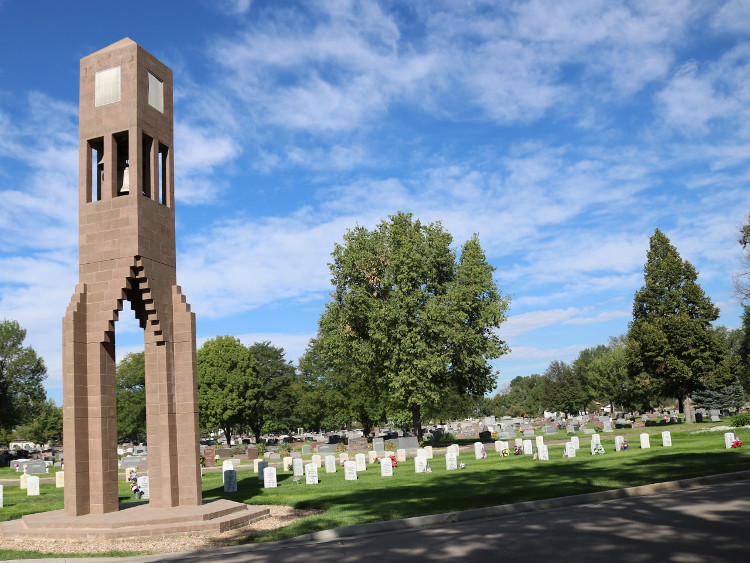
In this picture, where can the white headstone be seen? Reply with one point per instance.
(386, 467)
(570, 449)
(428, 451)
(330, 464)
(32, 486)
(543, 453)
(607, 427)
(596, 439)
(317, 460)
(645, 443)
(226, 465)
(420, 464)
(350, 470)
(451, 461)
(286, 463)
(1, 496)
(401, 455)
(361, 462)
(262, 466)
(311, 474)
(479, 452)
(372, 455)
(298, 468)
(504, 446)
(519, 442)
(618, 442)
(729, 438)
(666, 438)
(576, 442)
(539, 441)
(143, 486)
(498, 446)
(255, 465)
(23, 481)
(269, 478)
(528, 448)
(343, 457)
(60, 479)
(230, 481)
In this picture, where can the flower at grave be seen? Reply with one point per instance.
(428, 469)
(461, 465)
(483, 453)
(134, 488)
(394, 461)
(598, 450)
(625, 445)
(518, 450)
(737, 443)
(504, 452)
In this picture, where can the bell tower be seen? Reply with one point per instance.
(127, 253)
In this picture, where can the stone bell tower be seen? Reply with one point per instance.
(127, 253)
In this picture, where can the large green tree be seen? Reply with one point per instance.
(228, 383)
(743, 351)
(131, 398)
(562, 390)
(47, 426)
(672, 347)
(407, 322)
(272, 403)
(22, 372)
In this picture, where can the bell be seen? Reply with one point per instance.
(124, 187)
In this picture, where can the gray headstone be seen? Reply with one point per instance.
(230, 481)
(378, 444)
(306, 449)
(325, 448)
(409, 443)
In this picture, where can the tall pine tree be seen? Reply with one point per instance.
(672, 348)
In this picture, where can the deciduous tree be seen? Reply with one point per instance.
(22, 372)
(131, 398)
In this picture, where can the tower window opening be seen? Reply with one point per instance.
(95, 176)
(147, 143)
(163, 174)
(123, 164)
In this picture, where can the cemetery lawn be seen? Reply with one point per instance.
(482, 483)
(485, 482)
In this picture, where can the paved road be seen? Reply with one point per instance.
(706, 523)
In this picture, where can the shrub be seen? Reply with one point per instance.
(261, 448)
(341, 447)
(741, 419)
(285, 448)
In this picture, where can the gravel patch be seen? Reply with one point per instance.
(280, 516)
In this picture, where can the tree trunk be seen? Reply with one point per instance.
(228, 436)
(417, 421)
(687, 407)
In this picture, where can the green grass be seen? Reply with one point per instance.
(486, 482)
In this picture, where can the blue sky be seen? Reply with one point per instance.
(563, 133)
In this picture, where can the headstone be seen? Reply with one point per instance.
(498, 446)
(400, 455)
(350, 471)
(519, 442)
(226, 465)
(539, 441)
(454, 448)
(543, 453)
(666, 438)
(306, 449)
(451, 461)
(570, 449)
(317, 460)
(529, 433)
(60, 479)
(361, 462)
(262, 466)
(330, 462)
(343, 457)
(528, 449)
(298, 469)
(420, 464)
(295, 455)
(252, 453)
(1, 496)
(607, 427)
(596, 439)
(409, 443)
(550, 429)
(357, 445)
(714, 415)
(269, 478)
(255, 465)
(428, 452)
(698, 417)
(479, 451)
(32, 486)
(589, 431)
(645, 443)
(230, 481)
(34, 467)
(209, 458)
(576, 442)
(143, 486)
(386, 467)
(311, 474)
(729, 439)
(325, 448)
(618, 442)
(378, 444)
(23, 481)
(372, 455)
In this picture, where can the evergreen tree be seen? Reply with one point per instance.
(672, 348)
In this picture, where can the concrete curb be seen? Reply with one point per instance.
(513, 509)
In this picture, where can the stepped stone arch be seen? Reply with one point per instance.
(127, 253)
